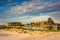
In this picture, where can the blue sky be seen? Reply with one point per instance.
(26, 11)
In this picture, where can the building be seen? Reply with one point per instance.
(11, 24)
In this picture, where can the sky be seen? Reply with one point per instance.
(27, 11)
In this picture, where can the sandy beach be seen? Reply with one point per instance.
(5, 35)
(48, 36)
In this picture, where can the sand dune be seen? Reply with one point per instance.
(47, 36)
(4, 35)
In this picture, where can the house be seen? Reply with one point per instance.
(12, 24)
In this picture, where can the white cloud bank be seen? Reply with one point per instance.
(33, 6)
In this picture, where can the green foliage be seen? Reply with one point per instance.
(3, 26)
(25, 31)
(18, 27)
(58, 28)
(50, 21)
(50, 28)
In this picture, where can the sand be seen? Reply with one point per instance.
(48, 36)
(5, 35)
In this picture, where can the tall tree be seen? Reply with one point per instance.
(50, 21)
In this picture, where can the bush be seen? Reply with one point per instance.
(3, 26)
(25, 31)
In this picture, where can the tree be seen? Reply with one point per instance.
(3, 26)
(58, 28)
(50, 21)
(32, 24)
(50, 28)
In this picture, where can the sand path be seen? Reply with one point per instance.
(4, 35)
(14, 36)
(48, 36)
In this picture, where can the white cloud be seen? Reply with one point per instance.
(40, 18)
(29, 19)
(2, 22)
(55, 16)
(54, 13)
(32, 6)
